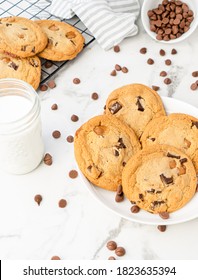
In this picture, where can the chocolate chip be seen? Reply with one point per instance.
(111, 245)
(150, 61)
(112, 258)
(195, 124)
(143, 50)
(73, 174)
(43, 87)
(194, 86)
(48, 64)
(167, 81)
(116, 48)
(120, 251)
(121, 144)
(119, 190)
(151, 191)
(94, 96)
(166, 180)
(55, 258)
(116, 153)
(76, 81)
(38, 198)
(183, 160)
(54, 107)
(125, 69)
(74, 118)
(124, 163)
(115, 107)
(164, 215)
(62, 203)
(33, 62)
(56, 134)
(48, 159)
(173, 156)
(138, 103)
(13, 66)
(162, 52)
(119, 198)
(168, 62)
(113, 73)
(156, 88)
(195, 74)
(70, 139)
(163, 73)
(161, 228)
(118, 67)
(135, 209)
(141, 196)
(51, 84)
(33, 50)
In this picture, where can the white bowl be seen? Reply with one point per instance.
(152, 4)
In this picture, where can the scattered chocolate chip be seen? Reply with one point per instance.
(119, 198)
(73, 174)
(56, 134)
(168, 62)
(62, 203)
(174, 51)
(94, 96)
(167, 81)
(162, 52)
(116, 153)
(13, 66)
(195, 124)
(38, 198)
(118, 67)
(173, 156)
(156, 88)
(111, 245)
(151, 191)
(115, 107)
(33, 62)
(76, 81)
(150, 61)
(55, 258)
(135, 209)
(194, 86)
(54, 107)
(124, 163)
(48, 159)
(161, 228)
(183, 160)
(48, 64)
(43, 87)
(121, 144)
(51, 84)
(33, 50)
(195, 74)
(138, 103)
(125, 69)
(143, 50)
(70, 139)
(164, 215)
(74, 118)
(112, 258)
(120, 251)
(113, 73)
(166, 180)
(163, 73)
(116, 48)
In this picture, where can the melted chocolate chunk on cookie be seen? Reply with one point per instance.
(24, 28)
(115, 108)
(183, 160)
(124, 163)
(141, 197)
(151, 191)
(33, 62)
(194, 124)
(121, 144)
(89, 168)
(152, 139)
(33, 50)
(116, 153)
(166, 180)
(8, 24)
(156, 203)
(23, 48)
(138, 103)
(73, 42)
(172, 156)
(158, 192)
(13, 65)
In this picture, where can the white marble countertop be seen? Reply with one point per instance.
(81, 230)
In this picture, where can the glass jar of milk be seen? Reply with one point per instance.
(21, 143)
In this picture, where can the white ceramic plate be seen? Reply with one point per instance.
(107, 198)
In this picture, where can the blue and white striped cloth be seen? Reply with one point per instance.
(110, 21)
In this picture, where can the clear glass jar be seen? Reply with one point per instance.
(21, 143)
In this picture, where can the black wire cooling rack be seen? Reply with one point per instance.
(39, 9)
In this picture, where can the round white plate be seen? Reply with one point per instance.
(107, 198)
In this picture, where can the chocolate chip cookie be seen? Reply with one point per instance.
(159, 179)
(26, 69)
(64, 41)
(178, 130)
(136, 105)
(102, 146)
(21, 37)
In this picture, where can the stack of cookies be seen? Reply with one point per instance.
(134, 144)
(23, 41)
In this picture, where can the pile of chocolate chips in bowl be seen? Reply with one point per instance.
(170, 19)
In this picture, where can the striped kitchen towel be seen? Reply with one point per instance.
(110, 21)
